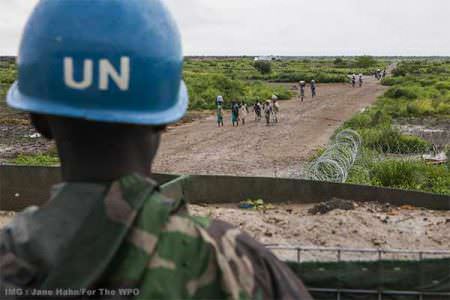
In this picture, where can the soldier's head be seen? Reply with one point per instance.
(103, 80)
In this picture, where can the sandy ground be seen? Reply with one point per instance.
(368, 226)
(259, 150)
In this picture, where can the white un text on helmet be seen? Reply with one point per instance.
(107, 72)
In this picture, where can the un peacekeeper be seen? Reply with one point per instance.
(102, 79)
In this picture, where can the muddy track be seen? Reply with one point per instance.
(259, 150)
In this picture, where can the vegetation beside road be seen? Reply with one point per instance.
(418, 90)
(243, 79)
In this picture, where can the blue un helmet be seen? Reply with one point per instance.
(108, 61)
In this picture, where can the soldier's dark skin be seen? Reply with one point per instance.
(100, 152)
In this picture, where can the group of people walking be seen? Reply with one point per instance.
(302, 85)
(360, 80)
(240, 111)
(380, 74)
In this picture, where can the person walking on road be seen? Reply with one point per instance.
(235, 113)
(360, 80)
(243, 112)
(257, 108)
(313, 88)
(268, 111)
(275, 109)
(302, 90)
(219, 101)
(353, 81)
(220, 116)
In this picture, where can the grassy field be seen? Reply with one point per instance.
(241, 79)
(8, 74)
(418, 90)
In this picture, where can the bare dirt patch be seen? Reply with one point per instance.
(367, 226)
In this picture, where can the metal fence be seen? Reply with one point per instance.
(301, 254)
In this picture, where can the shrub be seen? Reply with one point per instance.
(389, 140)
(411, 175)
(369, 119)
(420, 108)
(402, 92)
(264, 67)
(365, 62)
(390, 81)
(443, 85)
(204, 88)
(443, 108)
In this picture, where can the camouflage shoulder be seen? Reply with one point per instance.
(249, 265)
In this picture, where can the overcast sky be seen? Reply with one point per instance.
(289, 27)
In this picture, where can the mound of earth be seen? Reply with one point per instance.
(325, 207)
(366, 225)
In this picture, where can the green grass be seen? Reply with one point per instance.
(36, 160)
(322, 70)
(204, 88)
(404, 174)
(419, 89)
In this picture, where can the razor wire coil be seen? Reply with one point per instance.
(335, 163)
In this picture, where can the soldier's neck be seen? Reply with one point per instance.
(80, 166)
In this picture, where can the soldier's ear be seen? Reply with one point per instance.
(42, 125)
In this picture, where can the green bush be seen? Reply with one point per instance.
(402, 92)
(443, 85)
(204, 88)
(390, 81)
(389, 140)
(365, 62)
(411, 175)
(264, 67)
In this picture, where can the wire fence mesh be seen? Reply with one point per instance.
(300, 254)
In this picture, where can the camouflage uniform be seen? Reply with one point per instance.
(128, 235)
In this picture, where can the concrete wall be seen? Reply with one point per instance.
(24, 186)
(224, 189)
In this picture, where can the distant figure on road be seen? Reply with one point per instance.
(360, 80)
(384, 73)
(268, 111)
(257, 108)
(313, 88)
(302, 90)
(353, 80)
(235, 113)
(243, 112)
(275, 109)
(219, 101)
(220, 116)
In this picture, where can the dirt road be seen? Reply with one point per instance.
(259, 150)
